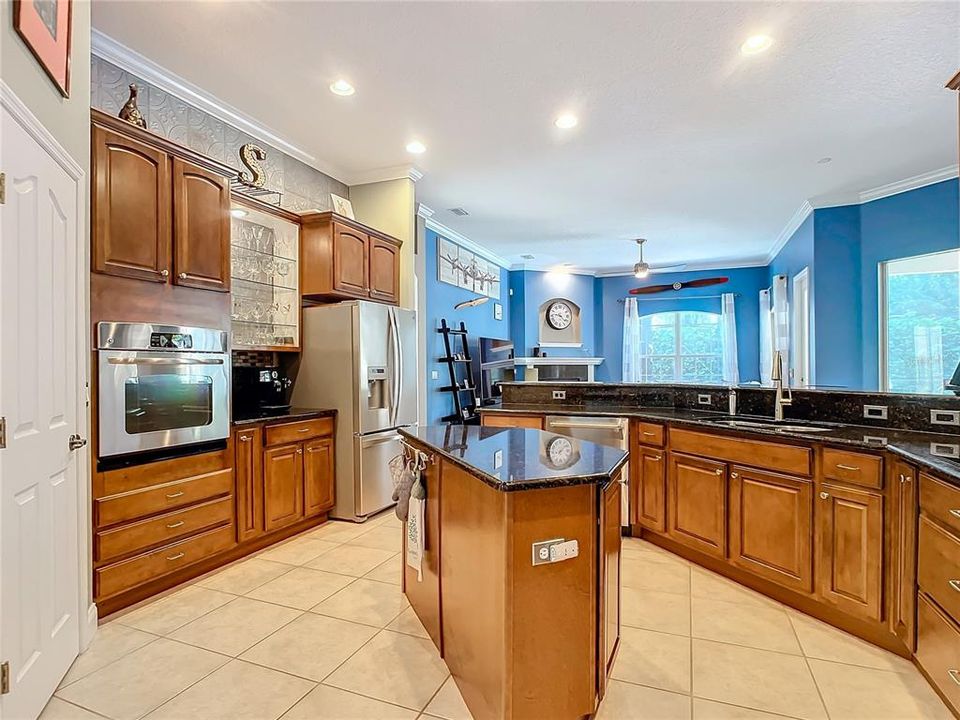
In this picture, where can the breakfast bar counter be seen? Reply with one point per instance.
(520, 576)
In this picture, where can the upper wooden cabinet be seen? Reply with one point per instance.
(344, 259)
(160, 211)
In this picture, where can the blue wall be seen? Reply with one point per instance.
(479, 320)
(747, 282)
(535, 288)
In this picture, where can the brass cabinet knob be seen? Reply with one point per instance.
(182, 276)
(718, 471)
(734, 475)
(824, 495)
(164, 273)
(300, 451)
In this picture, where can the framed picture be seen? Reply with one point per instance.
(44, 25)
(465, 269)
(342, 206)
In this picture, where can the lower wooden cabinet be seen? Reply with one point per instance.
(610, 544)
(938, 649)
(248, 470)
(317, 476)
(771, 526)
(903, 563)
(850, 540)
(282, 486)
(697, 503)
(649, 469)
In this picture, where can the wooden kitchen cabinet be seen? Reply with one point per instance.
(610, 546)
(771, 526)
(161, 212)
(903, 563)
(850, 536)
(317, 476)
(424, 593)
(248, 470)
(344, 259)
(201, 228)
(649, 469)
(131, 207)
(282, 486)
(697, 503)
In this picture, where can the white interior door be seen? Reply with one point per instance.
(800, 362)
(42, 371)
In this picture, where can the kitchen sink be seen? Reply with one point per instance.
(772, 425)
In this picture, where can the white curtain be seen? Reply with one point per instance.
(631, 341)
(728, 321)
(781, 323)
(766, 337)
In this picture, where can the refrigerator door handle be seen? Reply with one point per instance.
(399, 364)
(394, 375)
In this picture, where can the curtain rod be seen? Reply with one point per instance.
(698, 297)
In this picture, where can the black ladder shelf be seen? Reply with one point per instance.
(461, 386)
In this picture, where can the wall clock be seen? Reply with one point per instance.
(559, 451)
(559, 315)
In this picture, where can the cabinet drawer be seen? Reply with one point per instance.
(940, 501)
(124, 575)
(161, 498)
(650, 434)
(939, 566)
(297, 431)
(789, 459)
(138, 536)
(512, 420)
(938, 650)
(855, 468)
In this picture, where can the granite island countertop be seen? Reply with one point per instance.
(293, 414)
(934, 452)
(512, 459)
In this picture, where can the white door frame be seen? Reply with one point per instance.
(800, 362)
(86, 608)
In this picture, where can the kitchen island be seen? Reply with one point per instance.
(520, 584)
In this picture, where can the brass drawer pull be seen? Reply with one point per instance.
(177, 494)
(656, 458)
(955, 584)
(648, 434)
(171, 526)
(171, 558)
(304, 430)
(955, 512)
(851, 468)
(245, 438)
(954, 675)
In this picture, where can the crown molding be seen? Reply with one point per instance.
(910, 183)
(396, 172)
(793, 224)
(106, 48)
(462, 240)
(424, 212)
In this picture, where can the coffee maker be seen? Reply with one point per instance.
(260, 391)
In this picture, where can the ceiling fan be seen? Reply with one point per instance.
(642, 269)
(702, 282)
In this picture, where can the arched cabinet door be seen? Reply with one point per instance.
(201, 228)
(350, 261)
(131, 208)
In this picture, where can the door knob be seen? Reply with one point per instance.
(76, 442)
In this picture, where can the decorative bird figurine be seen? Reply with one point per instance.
(130, 112)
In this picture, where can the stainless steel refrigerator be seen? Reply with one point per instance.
(361, 358)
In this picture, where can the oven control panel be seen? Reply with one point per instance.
(171, 341)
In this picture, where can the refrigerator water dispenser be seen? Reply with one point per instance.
(377, 394)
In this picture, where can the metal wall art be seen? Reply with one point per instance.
(251, 155)
(465, 269)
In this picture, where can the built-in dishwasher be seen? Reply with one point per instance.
(602, 430)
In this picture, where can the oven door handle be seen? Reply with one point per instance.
(164, 361)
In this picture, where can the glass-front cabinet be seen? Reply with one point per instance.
(265, 278)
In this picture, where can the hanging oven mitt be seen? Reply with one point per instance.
(415, 528)
(401, 493)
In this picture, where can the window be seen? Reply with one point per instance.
(683, 347)
(920, 322)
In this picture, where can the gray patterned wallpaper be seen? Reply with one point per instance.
(303, 187)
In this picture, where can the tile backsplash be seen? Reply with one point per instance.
(302, 187)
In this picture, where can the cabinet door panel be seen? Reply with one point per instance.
(384, 271)
(697, 502)
(201, 227)
(249, 474)
(282, 486)
(850, 529)
(771, 526)
(131, 208)
(610, 557)
(650, 497)
(350, 261)
(318, 476)
(903, 610)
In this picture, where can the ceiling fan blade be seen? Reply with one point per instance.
(706, 282)
(703, 282)
(650, 289)
(668, 268)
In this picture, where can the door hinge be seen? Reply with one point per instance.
(4, 678)
(3, 188)
(3, 432)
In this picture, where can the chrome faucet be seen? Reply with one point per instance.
(776, 375)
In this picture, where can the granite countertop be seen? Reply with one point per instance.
(931, 451)
(511, 459)
(293, 414)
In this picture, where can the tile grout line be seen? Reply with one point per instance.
(806, 661)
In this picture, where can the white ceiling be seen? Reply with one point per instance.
(681, 139)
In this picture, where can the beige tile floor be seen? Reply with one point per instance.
(317, 629)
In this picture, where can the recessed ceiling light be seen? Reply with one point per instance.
(238, 212)
(416, 147)
(824, 160)
(756, 44)
(342, 87)
(566, 121)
